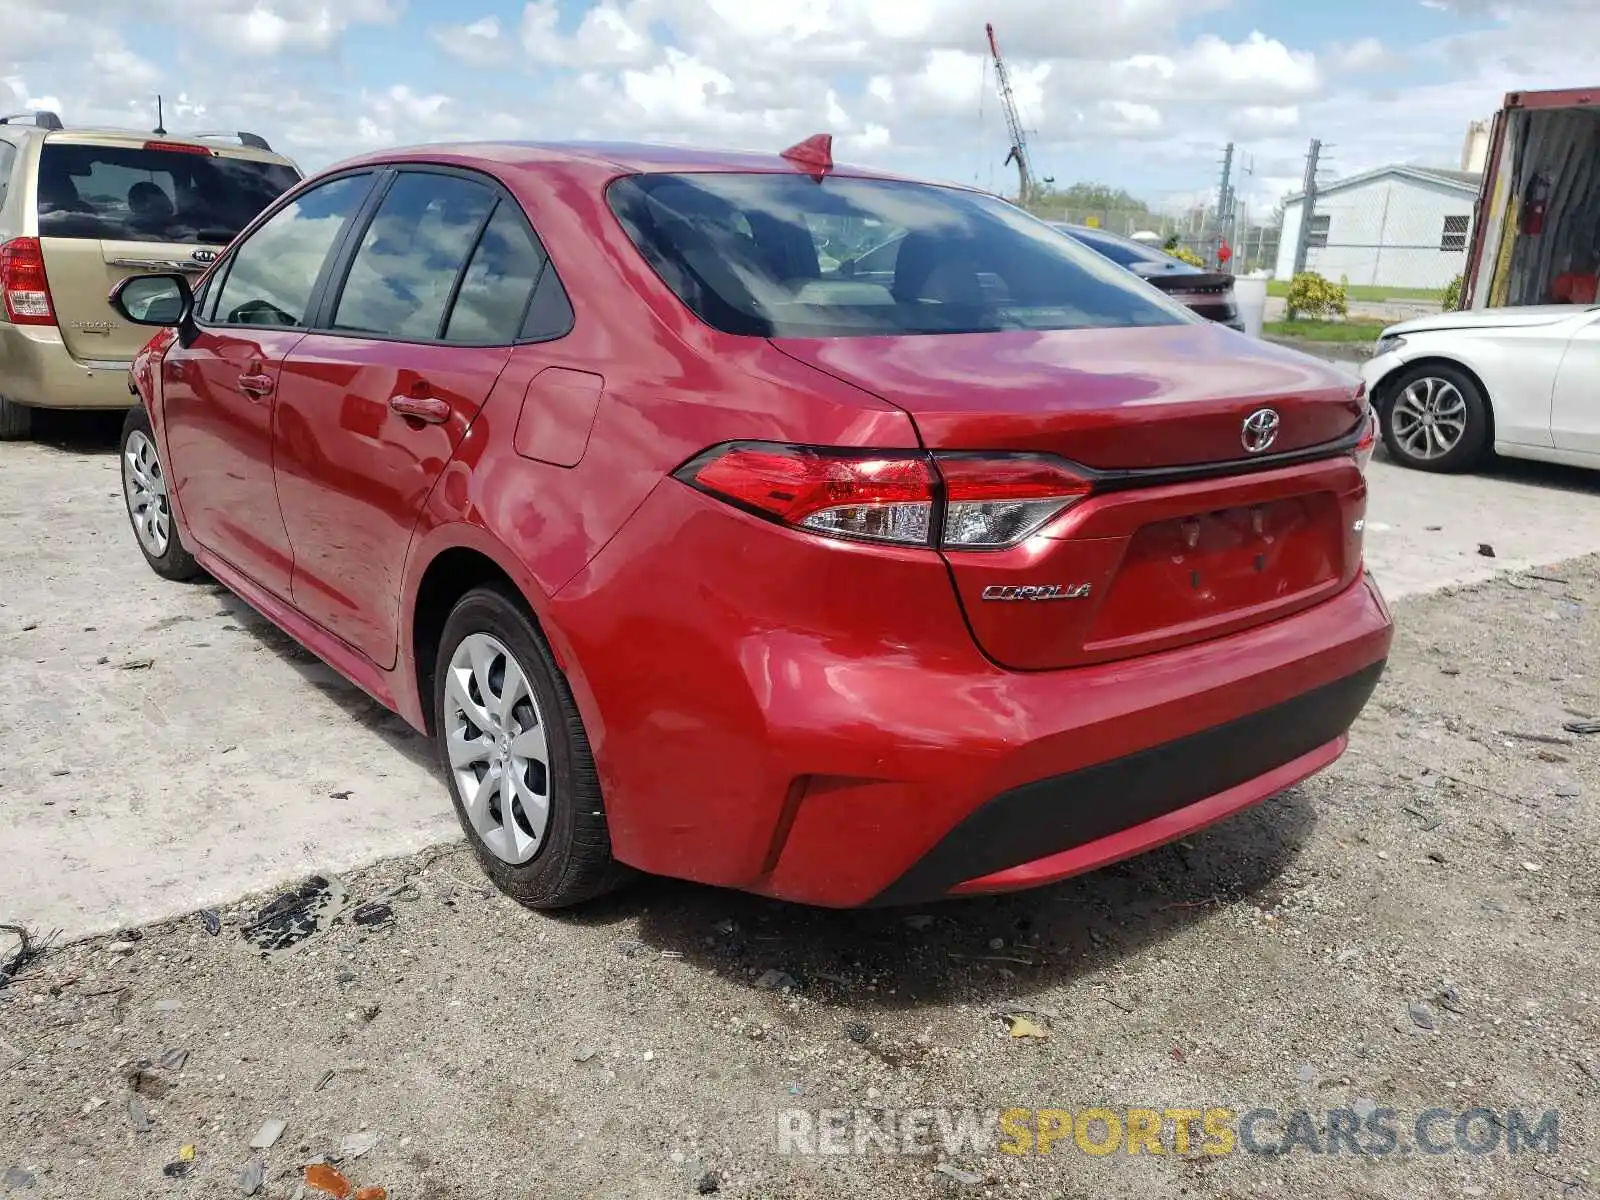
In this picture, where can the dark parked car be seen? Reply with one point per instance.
(1209, 293)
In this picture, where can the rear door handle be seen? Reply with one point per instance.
(422, 408)
(255, 385)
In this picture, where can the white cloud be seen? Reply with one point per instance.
(1361, 55)
(1139, 84)
(607, 36)
(478, 43)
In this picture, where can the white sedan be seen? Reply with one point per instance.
(1522, 382)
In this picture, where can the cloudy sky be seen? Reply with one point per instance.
(1139, 94)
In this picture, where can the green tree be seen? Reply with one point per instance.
(1088, 198)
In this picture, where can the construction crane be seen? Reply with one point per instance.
(1027, 187)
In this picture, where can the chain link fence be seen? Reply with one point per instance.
(1252, 245)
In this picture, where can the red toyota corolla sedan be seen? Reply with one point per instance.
(698, 551)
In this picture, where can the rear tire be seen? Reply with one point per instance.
(1435, 417)
(144, 494)
(16, 420)
(513, 748)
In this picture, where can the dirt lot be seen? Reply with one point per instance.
(1414, 929)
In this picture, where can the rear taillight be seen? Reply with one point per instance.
(868, 497)
(904, 498)
(1368, 441)
(997, 500)
(22, 281)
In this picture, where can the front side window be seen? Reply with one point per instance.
(140, 194)
(781, 255)
(274, 271)
(404, 273)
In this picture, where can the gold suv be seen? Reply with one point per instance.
(80, 209)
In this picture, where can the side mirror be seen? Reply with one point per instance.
(160, 300)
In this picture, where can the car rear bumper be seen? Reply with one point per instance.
(37, 370)
(778, 719)
(1100, 814)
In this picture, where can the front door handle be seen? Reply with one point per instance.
(421, 408)
(255, 385)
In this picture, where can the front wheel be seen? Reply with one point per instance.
(1436, 419)
(144, 489)
(512, 744)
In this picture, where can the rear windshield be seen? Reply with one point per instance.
(127, 193)
(781, 255)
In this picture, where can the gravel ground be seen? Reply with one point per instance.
(1443, 874)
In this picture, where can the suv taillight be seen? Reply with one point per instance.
(956, 501)
(22, 281)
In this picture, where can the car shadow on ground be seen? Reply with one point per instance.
(79, 432)
(984, 949)
(358, 706)
(1556, 477)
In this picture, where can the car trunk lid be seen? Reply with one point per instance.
(82, 272)
(1110, 399)
(110, 206)
(1188, 534)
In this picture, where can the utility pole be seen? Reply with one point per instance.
(1308, 206)
(1224, 204)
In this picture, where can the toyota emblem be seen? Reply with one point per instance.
(1260, 430)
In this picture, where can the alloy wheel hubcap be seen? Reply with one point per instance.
(145, 487)
(499, 756)
(1429, 418)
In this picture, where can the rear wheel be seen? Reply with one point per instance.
(144, 489)
(513, 747)
(1436, 419)
(16, 420)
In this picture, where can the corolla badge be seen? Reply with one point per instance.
(1042, 591)
(1260, 430)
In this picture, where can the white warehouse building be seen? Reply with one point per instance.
(1399, 227)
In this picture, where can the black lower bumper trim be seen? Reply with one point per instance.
(1050, 815)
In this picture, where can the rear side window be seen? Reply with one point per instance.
(273, 272)
(129, 193)
(404, 273)
(494, 292)
(781, 255)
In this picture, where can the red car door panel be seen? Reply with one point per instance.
(437, 288)
(218, 399)
(220, 390)
(355, 465)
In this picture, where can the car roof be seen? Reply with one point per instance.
(220, 145)
(631, 158)
(135, 137)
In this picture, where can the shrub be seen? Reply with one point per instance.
(1184, 254)
(1452, 294)
(1310, 295)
